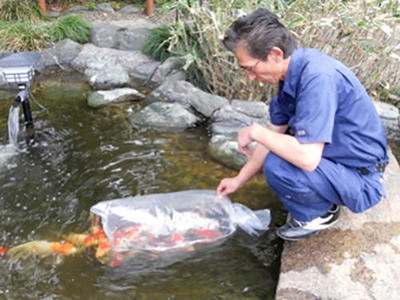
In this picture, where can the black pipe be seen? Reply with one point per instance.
(27, 113)
(22, 97)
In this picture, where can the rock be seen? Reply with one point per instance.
(130, 10)
(105, 7)
(107, 68)
(104, 35)
(225, 150)
(255, 109)
(101, 98)
(358, 258)
(132, 38)
(124, 35)
(185, 93)
(389, 115)
(60, 55)
(163, 117)
(228, 128)
(75, 9)
(230, 118)
(153, 74)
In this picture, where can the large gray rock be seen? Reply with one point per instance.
(105, 7)
(229, 119)
(185, 93)
(153, 74)
(225, 150)
(104, 35)
(245, 112)
(132, 38)
(60, 55)
(359, 258)
(389, 115)
(102, 98)
(107, 68)
(164, 117)
(124, 35)
(228, 128)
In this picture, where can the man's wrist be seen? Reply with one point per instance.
(255, 131)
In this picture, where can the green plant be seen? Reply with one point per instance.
(157, 45)
(21, 35)
(70, 26)
(364, 34)
(20, 10)
(91, 5)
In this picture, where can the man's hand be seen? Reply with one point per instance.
(228, 186)
(245, 138)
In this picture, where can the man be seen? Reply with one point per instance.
(326, 145)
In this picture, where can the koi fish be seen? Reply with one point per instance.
(103, 249)
(126, 235)
(86, 240)
(208, 234)
(3, 251)
(42, 248)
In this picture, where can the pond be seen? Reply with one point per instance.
(80, 156)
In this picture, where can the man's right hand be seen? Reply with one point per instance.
(228, 186)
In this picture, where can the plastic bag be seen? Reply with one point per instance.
(161, 222)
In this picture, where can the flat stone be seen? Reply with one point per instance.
(358, 258)
(101, 98)
(165, 117)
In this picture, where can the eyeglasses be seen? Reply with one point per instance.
(249, 69)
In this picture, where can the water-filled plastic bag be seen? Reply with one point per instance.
(161, 222)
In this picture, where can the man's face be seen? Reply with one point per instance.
(270, 71)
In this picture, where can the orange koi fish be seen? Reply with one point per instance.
(3, 250)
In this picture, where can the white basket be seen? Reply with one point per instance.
(18, 75)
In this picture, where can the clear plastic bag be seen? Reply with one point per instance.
(161, 222)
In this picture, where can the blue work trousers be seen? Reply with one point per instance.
(308, 195)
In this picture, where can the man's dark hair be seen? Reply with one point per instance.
(259, 32)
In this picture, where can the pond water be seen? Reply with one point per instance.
(80, 156)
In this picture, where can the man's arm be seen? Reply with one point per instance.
(304, 156)
(253, 165)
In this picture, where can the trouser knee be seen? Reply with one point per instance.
(273, 168)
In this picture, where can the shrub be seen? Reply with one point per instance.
(21, 10)
(362, 34)
(23, 35)
(70, 26)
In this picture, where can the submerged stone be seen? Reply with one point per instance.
(101, 98)
(163, 117)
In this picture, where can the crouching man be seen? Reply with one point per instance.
(326, 146)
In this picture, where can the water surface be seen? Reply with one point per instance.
(79, 156)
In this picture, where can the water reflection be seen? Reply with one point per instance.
(81, 156)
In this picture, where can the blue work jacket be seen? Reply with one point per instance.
(322, 101)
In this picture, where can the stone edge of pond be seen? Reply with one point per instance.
(359, 258)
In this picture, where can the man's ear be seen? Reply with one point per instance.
(276, 54)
